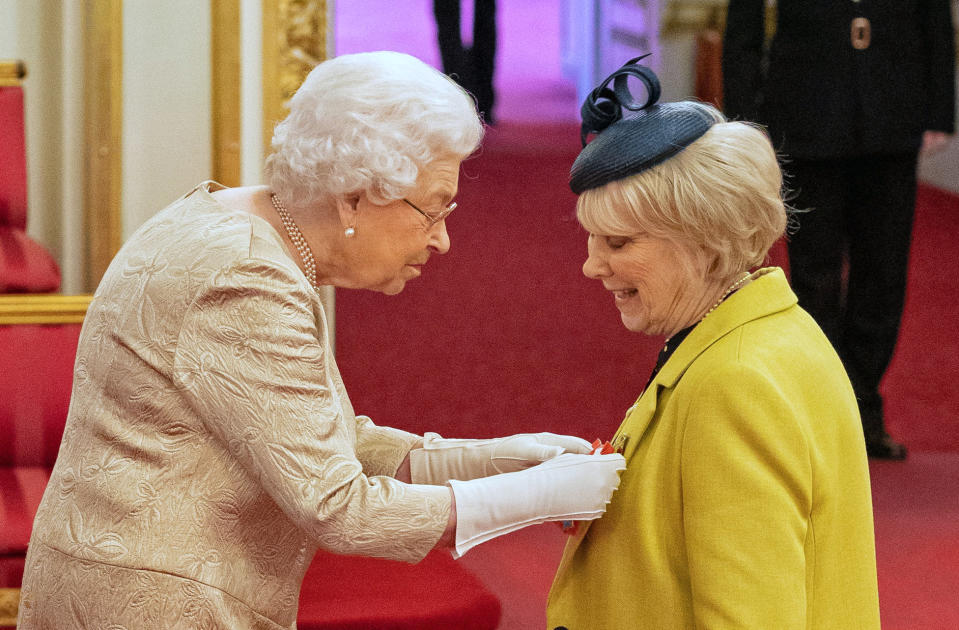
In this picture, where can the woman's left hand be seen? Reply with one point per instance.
(440, 460)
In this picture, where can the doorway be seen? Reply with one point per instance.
(529, 84)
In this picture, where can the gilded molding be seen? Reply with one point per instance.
(43, 309)
(9, 604)
(295, 39)
(103, 111)
(12, 72)
(225, 92)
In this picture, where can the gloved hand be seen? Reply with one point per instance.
(440, 459)
(567, 487)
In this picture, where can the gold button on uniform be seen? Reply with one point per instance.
(860, 33)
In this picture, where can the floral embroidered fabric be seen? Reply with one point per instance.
(211, 447)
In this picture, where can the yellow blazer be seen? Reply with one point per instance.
(746, 501)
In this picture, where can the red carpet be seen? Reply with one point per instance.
(917, 541)
(355, 593)
(921, 392)
(504, 334)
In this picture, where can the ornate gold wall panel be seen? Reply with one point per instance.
(294, 40)
(103, 108)
(225, 93)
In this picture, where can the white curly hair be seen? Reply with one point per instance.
(368, 123)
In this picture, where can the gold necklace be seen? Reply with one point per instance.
(298, 240)
(730, 289)
(735, 285)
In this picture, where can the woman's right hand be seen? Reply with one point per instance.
(567, 487)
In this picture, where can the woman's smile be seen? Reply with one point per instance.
(623, 295)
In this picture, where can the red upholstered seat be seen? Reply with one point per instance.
(25, 266)
(21, 489)
(36, 376)
(13, 162)
(351, 593)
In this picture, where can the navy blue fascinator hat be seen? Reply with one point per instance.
(647, 135)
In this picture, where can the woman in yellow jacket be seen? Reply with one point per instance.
(746, 500)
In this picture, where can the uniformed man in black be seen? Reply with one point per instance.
(851, 91)
(471, 66)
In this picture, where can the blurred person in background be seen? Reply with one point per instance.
(851, 92)
(471, 66)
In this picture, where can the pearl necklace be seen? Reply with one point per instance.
(299, 241)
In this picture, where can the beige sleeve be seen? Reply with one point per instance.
(381, 450)
(251, 363)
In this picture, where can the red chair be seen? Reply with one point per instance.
(38, 335)
(25, 266)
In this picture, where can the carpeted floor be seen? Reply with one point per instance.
(502, 332)
(920, 389)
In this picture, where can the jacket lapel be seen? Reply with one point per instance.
(626, 438)
(768, 293)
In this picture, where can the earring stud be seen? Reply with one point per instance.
(349, 232)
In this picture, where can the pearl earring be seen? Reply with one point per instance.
(349, 232)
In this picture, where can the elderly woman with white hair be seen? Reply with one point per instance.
(746, 499)
(211, 447)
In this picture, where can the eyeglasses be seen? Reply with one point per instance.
(433, 219)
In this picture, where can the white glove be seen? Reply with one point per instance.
(440, 459)
(567, 487)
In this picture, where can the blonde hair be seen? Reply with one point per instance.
(720, 198)
(369, 123)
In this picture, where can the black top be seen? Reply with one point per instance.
(668, 348)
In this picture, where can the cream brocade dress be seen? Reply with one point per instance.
(210, 446)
